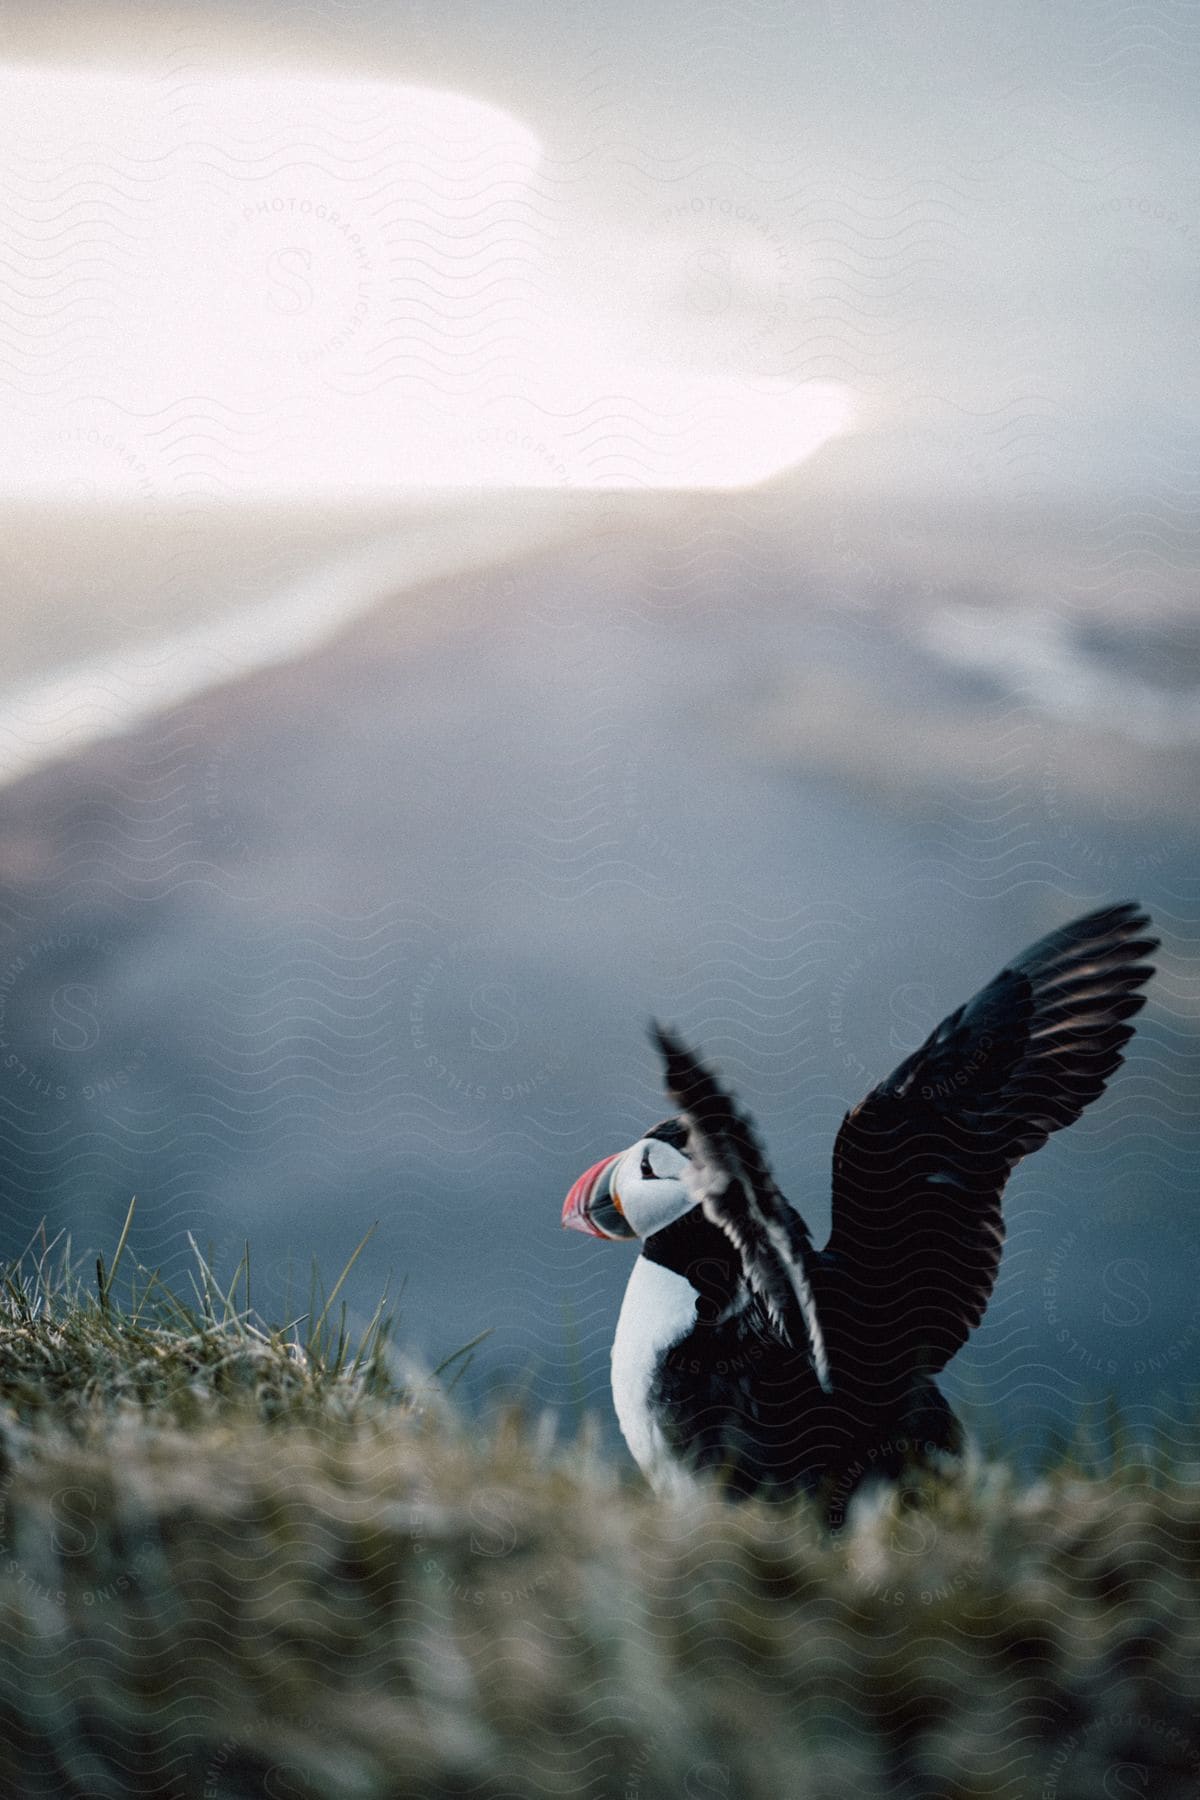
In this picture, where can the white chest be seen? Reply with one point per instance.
(659, 1308)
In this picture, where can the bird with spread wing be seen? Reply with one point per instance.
(743, 1351)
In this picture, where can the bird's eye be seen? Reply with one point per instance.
(648, 1174)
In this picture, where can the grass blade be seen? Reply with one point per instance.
(121, 1243)
(337, 1286)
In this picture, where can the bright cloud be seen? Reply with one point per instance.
(249, 286)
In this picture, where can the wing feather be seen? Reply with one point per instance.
(728, 1176)
(920, 1165)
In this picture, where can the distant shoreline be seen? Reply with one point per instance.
(151, 609)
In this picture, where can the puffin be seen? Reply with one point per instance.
(745, 1355)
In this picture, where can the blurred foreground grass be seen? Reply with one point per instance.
(241, 1562)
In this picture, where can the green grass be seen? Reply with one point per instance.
(241, 1560)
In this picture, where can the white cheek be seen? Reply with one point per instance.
(653, 1204)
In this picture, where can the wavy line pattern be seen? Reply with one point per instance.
(377, 935)
(226, 1607)
(353, 903)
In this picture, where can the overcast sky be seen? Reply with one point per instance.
(634, 246)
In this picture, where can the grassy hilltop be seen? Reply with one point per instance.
(240, 1562)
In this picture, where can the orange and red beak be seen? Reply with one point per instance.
(593, 1204)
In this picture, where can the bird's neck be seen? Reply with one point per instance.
(701, 1252)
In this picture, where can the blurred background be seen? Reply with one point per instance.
(512, 523)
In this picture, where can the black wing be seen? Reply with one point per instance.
(920, 1165)
(728, 1177)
